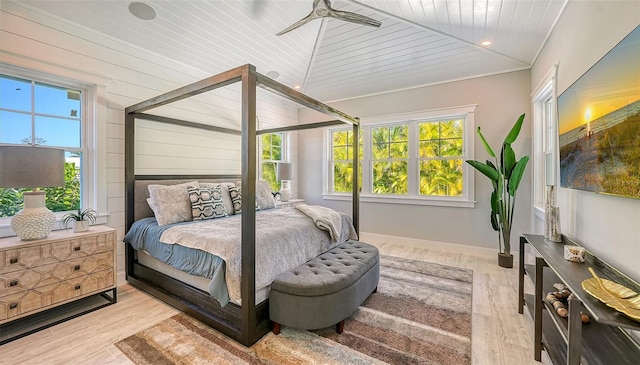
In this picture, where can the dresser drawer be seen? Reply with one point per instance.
(39, 298)
(17, 259)
(17, 281)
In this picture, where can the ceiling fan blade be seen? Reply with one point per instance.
(355, 18)
(299, 23)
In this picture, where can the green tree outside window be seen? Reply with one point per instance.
(272, 153)
(342, 157)
(440, 154)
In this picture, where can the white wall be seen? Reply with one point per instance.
(587, 30)
(500, 98)
(43, 43)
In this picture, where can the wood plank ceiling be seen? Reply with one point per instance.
(420, 41)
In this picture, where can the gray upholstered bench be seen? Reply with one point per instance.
(326, 290)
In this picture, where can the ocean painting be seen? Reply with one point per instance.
(599, 124)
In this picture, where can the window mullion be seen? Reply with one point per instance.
(413, 165)
(367, 167)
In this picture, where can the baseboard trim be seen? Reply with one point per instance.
(441, 246)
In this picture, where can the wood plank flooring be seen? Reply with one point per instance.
(500, 336)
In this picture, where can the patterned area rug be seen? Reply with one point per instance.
(421, 314)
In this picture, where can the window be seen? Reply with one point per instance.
(342, 160)
(544, 140)
(415, 158)
(273, 149)
(441, 157)
(390, 159)
(43, 114)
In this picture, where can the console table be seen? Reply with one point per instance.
(567, 340)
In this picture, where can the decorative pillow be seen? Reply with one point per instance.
(264, 198)
(236, 197)
(206, 203)
(170, 203)
(226, 199)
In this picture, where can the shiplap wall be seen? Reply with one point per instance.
(43, 43)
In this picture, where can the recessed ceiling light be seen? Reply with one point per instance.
(486, 43)
(142, 11)
(296, 87)
(273, 74)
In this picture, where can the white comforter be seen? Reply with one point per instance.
(285, 239)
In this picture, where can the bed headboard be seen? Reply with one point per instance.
(141, 193)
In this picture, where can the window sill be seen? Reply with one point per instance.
(6, 231)
(388, 199)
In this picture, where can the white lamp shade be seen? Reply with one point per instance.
(31, 167)
(550, 170)
(284, 171)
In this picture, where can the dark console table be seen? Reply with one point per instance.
(567, 340)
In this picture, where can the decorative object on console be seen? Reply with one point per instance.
(551, 211)
(32, 167)
(81, 219)
(505, 177)
(574, 253)
(284, 173)
(614, 295)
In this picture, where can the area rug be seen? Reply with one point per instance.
(421, 314)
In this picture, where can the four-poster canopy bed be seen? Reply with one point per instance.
(250, 321)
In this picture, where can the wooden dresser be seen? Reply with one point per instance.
(45, 282)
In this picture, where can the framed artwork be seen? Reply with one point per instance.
(599, 124)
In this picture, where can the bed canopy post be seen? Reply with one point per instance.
(356, 188)
(249, 168)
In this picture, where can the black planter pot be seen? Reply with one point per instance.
(505, 260)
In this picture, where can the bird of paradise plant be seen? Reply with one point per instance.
(505, 174)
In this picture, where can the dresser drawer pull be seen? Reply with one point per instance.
(13, 261)
(13, 282)
(77, 287)
(76, 248)
(13, 305)
(76, 268)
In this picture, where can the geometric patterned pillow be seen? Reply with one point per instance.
(236, 198)
(206, 203)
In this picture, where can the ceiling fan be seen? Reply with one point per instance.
(323, 9)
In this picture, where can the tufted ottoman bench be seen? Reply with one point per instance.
(325, 290)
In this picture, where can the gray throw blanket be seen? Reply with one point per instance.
(325, 218)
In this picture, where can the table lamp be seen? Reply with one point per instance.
(284, 173)
(32, 167)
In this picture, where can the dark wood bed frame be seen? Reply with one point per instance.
(249, 322)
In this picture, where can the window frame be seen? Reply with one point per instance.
(284, 155)
(466, 199)
(93, 188)
(545, 140)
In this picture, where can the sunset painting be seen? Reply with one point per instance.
(599, 124)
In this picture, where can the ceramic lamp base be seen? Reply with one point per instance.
(35, 221)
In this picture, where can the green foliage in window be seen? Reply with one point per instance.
(390, 177)
(342, 155)
(440, 175)
(271, 153)
(57, 199)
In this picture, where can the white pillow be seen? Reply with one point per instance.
(264, 198)
(170, 203)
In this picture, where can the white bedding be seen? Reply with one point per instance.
(285, 239)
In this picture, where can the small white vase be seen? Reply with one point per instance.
(80, 226)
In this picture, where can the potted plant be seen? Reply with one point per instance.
(80, 219)
(505, 174)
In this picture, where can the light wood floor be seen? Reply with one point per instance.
(499, 334)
